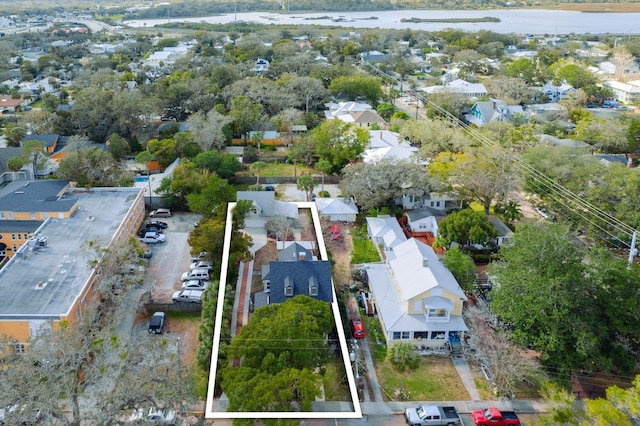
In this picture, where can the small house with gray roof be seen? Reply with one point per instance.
(296, 252)
(424, 219)
(385, 231)
(265, 207)
(5, 155)
(504, 232)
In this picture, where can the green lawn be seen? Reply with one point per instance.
(279, 170)
(364, 250)
(374, 335)
(435, 380)
(334, 388)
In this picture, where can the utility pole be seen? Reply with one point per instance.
(182, 410)
(632, 250)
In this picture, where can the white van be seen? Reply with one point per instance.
(196, 274)
(190, 296)
(201, 264)
(195, 285)
(153, 238)
(161, 213)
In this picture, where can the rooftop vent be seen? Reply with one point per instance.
(41, 285)
(90, 219)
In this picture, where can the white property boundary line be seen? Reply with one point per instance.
(209, 412)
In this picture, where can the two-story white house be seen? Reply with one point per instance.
(418, 299)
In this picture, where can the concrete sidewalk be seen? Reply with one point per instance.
(462, 367)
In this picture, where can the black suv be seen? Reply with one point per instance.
(157, 224)
(156, 323)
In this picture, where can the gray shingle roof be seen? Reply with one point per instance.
(5, 155)
(295, 252)
(35, 196)
(298, 275)
(19, 225)
(49, 139)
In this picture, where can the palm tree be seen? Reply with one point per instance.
(256, 168)
(511, 211)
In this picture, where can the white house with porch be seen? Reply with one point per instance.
(418, 299)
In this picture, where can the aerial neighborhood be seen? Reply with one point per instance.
(289, 223)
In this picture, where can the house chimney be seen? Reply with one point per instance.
(425, 262)
(629, 163)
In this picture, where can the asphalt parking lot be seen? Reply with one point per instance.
(171, 258)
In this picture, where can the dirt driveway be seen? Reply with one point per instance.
(340, 251)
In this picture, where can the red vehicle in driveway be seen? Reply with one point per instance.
(494, 417)
(357, 330)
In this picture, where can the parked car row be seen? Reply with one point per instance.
(194, 281)
(436, 415)
(153, 232)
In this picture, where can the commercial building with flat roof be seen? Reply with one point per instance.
(49, 278)
(14, 233)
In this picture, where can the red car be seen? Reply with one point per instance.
(357, 330)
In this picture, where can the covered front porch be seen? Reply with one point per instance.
(427, 334)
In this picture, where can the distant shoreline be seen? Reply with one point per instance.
(594, 7)
(452, 20)
(506, 21)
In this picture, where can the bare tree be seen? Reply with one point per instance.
(282, 227)
(287, 119)
(434, 136)
(209, 132)
(485, 175)
(506, 363)
(622, 60)
(309, 90)
(378, 185)
(86, 372)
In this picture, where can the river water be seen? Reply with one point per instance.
(518, 21)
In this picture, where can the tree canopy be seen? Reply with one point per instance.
(337, 142)
(467, 227)
(375, 185)
(564, 303)
(354, 86)
(279, 349)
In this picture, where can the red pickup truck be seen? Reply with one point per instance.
(494, 417)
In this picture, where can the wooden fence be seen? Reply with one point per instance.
(284, 179)
(173, 307)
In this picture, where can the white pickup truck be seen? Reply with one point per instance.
(432, 415)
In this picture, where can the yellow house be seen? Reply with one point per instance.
(48, 279)
(417, 298)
